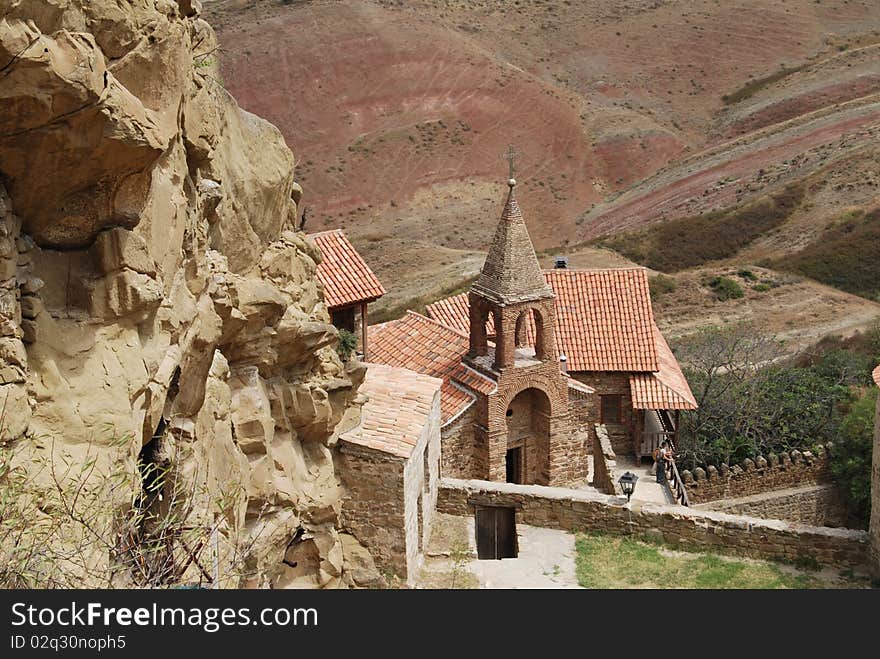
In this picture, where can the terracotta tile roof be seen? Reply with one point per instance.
(454, 312)
(667, 389)
(399, 406)
(604, 319)
(427, 346)
(345, 275)
(877, 376)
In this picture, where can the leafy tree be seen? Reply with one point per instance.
(851, 456)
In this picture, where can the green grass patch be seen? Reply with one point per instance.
(624, 562)
(692, 241)
(846, 256)
(752, 87)
(725, 288)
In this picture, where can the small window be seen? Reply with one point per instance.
(343, 318)
(611, 408)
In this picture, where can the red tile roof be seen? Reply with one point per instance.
(400, 403)
(667, 389)
(345, 275)
(427, 346)
(604, 319)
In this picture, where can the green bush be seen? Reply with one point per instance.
(347, 344)
(726, 288)
(851, 457)
(846, 256)
(817, 398)
(660, 285)
(754, 86)
(748, 275)
(761, 288)
(693, 241)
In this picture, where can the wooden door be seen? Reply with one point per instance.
(514, 465)
(496, 532)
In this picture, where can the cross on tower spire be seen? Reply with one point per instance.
(511, 157)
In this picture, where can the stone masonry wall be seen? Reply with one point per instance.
(582, 409)
(817, 505)
(579, 510)
(775, 472)
(604, 463)
(607, 384)
(421, 478)
(457, 438)
(373, 503)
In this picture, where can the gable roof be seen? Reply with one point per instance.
(426, 346)
(511, 272)
(667, 389)
(604, 319)
(399, 405)
(346, 277)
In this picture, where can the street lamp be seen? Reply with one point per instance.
(628, 484)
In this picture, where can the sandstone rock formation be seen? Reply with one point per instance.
(155, 301)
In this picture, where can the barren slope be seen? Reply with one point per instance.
(625, 113)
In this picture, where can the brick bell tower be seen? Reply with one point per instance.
(521, 430)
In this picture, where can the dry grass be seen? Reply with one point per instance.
(846, 256)
(693, 241)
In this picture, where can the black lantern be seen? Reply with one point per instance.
(628, 484)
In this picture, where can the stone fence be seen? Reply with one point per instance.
(758, 475)
(702, 530)
(604, 463)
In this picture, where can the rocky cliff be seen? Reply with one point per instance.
(166, 355)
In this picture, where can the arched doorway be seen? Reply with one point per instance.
(527, 460)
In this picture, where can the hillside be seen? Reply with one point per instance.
(625, 114)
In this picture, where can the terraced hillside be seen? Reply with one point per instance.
(626, 114)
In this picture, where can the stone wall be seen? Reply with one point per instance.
(817, 505)
(421, 484)
(457, 439)
(754, 476)
(579, 510)
(604, 463)
(582, 408)
(373, 503)
(605, 384)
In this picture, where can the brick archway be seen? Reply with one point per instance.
(527, 421)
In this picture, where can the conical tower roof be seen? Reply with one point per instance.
(511, 272)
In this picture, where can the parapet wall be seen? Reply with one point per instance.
(758, 475)
(579, 510)
(604, 462)
(817, 505)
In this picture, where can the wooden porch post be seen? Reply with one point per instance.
(364, 331)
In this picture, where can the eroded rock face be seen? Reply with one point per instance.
(153, 297)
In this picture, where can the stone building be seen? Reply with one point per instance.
(389, 466)
(349, 284)
(532, 361)
(874, 528)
